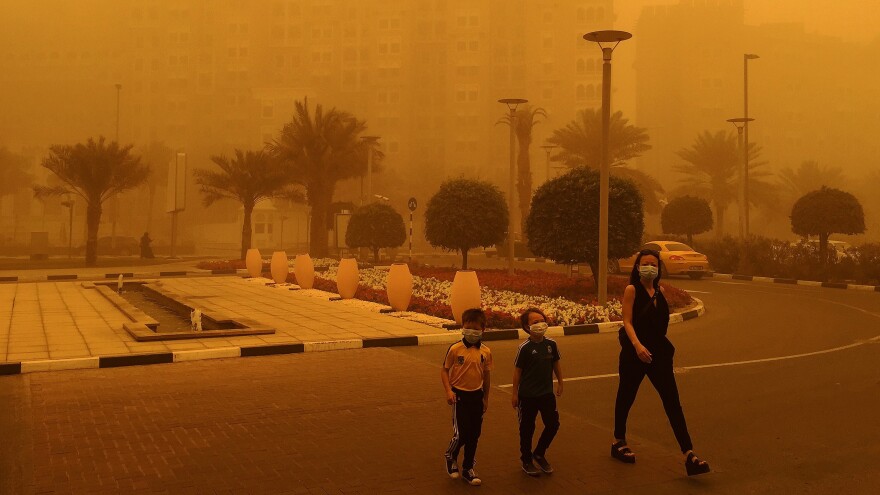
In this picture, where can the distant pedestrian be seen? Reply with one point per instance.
(537, 360)
(645, 350)
(146, 250)
(465, 375)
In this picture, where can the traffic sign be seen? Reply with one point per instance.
(412, 204)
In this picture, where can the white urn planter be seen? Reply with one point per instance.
(304, 270)
(254, 262)
(465, 293)
(278, 267)
(347, 278)
(399, 286)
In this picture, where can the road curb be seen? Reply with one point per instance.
(449, 337)
(808, 283)
(126, 275)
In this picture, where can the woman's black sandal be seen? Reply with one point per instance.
(622, 453)
(695, 465)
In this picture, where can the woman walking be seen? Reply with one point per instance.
(645, 350)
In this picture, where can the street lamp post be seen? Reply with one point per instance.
(746, 58)
(69, 204)
(740, 124)
(115, 212)
(601, 37)
(511, 103)
(549, 149)
(370, 142)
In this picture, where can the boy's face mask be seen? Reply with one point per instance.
(471, 335)
(538, 329)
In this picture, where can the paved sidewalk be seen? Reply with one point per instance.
(366, 421)
(63, 320)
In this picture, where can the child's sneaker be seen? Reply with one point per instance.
(543, 464)
(471, 477)
(530, 469)
(451, 467)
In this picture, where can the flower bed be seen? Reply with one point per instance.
(566, 301)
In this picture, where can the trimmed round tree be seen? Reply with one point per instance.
(686, 215)
(465, 214)
(824, 212)
(563, 224)
(375, 226)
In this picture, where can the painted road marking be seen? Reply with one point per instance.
(696, 292)
(684, 369)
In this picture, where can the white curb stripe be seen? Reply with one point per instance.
(59, 364)
(809, 283)
(869, 288)
(199, 354)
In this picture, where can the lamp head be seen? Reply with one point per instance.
(751, 56)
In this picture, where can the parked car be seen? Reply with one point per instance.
(677, 258)
(840, 247)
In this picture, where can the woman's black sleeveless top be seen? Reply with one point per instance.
(650, 323)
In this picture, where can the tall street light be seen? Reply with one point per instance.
(549, 149)
(746, 58)
(740, 124)
(607, 37)
(115, 212)
(68, 203)
(511, 103)
(370, 141)
(118, 91)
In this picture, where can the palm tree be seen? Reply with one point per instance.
(321, 149)
(249, 178)
(712, 169)
(94, 171)
(809, 176)
(157, 156)
(523, 122)
(580, 143)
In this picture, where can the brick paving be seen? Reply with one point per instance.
(363, 421)
(58, 320)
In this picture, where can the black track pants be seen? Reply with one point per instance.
(467, 423)
(527, 411)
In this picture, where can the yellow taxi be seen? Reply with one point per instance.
(677, 258)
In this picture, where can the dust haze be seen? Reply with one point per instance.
(205, 77)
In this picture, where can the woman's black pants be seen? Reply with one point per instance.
(632, 370)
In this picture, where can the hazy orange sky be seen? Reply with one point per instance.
(853, 20)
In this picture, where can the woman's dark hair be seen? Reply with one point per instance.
(524, 317)
(635, 278)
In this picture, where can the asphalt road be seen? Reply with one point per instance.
(791, 424)
(803, 419)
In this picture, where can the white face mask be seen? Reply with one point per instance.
(648, 272)
(538, 329)
(471, 335)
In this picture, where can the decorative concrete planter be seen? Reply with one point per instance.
(399, 286)
(254, 262)
(279, 267)
(347, 278)
(465, 293)
(304, 270)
